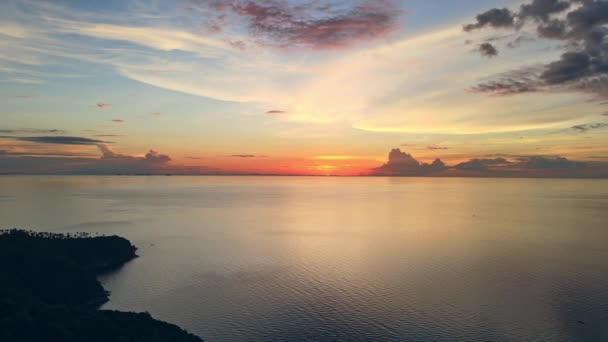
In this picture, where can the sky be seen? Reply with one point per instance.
(320, 87)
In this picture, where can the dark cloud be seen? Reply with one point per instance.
(102, 105)
(481, 164)
(276, 112)
(436, 166)
(514, 82)
(519, 40)
(542, 9)
(152, 157)
(404, 164)
(571, 66)
(589, 16)
(155, 157)
(118, 120)
(44, 154)
(487, 50)
(239, 44)
(583, 67)
(497, 165)
(587, 127)
(110, 162)
(246, 156)
(554, 29)
(540, 162)
(285, 24)
(31, 131)
(435, 147)
(495, 18)
(400, 163)
(61, 140)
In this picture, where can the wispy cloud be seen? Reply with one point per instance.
(436, 147)
(273, 112)
(246, 156)
(587, 127)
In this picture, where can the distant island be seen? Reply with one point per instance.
(50, 291)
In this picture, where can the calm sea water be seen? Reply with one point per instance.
(344, 259)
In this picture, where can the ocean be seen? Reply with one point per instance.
(343, 259)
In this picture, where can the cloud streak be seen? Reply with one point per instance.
(587, 127)
(276, 112)
(59, 140)
(31, 131)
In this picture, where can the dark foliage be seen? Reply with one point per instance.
(49, 291)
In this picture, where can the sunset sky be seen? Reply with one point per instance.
(298, 87)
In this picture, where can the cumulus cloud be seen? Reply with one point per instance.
(495, 18)
(554, 29)
(487, 50)
(154, 156)
(287, 23)
(581, 29)
(404, 164)
(542, 9)
(498, 165)
(436, 166)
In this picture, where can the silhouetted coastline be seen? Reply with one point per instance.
(51, 291)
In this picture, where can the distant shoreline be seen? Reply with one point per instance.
(511, 176)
